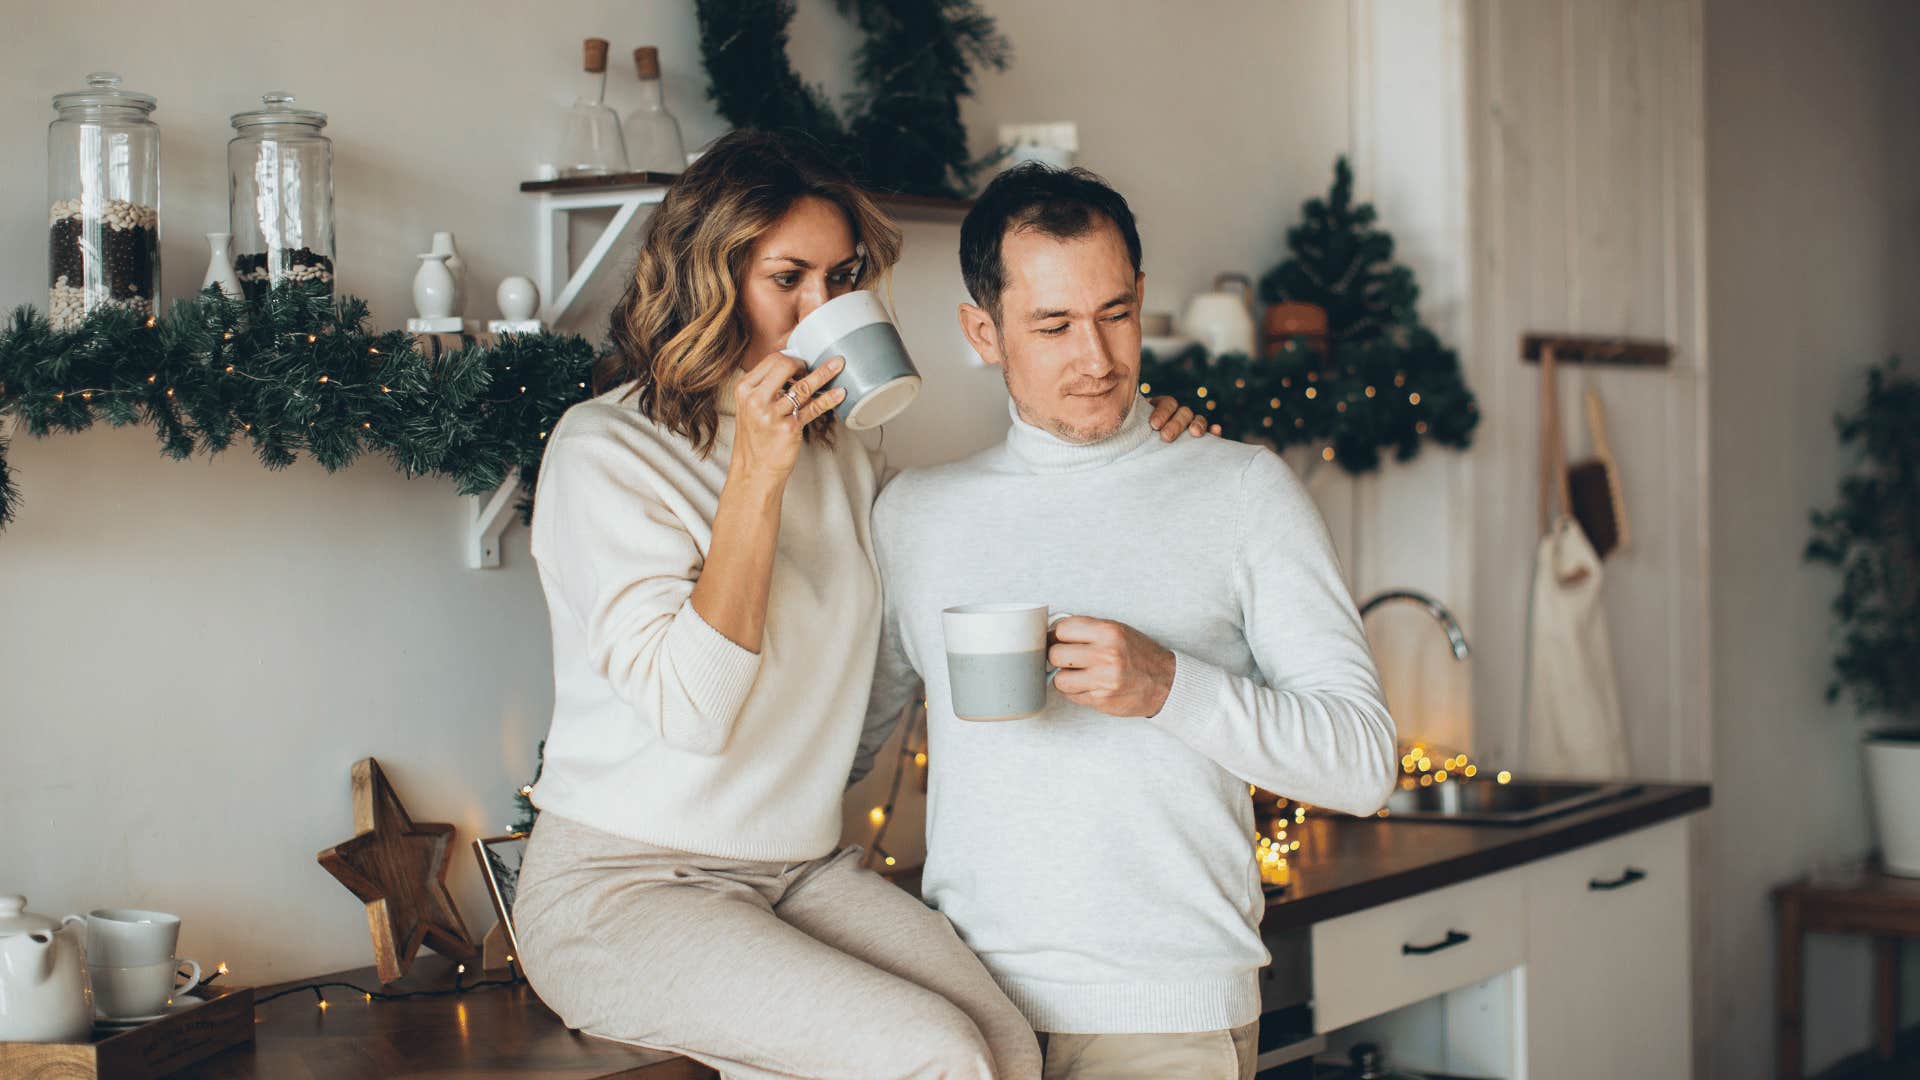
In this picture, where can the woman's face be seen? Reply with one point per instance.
(803, 261)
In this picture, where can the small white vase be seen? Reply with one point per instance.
(443, 245)
(517, 298)
(220, 265)
(433, 287)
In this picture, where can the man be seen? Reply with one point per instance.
(1099, 857)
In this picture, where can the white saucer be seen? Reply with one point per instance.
(186, 1001)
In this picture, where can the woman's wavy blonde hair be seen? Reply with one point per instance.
(679, 332)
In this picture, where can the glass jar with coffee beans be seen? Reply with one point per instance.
(281, 187)
(103, 191)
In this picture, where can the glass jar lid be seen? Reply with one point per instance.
(276, 107)
(103, 90)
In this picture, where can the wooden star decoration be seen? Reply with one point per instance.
(399, 869)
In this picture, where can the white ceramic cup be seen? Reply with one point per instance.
(140, 989)
(997, 659)
(880, 379)
(123, 937)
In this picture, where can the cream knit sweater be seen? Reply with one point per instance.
(664, 731)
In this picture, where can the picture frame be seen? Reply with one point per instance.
(499, 858)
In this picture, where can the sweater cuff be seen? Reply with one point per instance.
(714, 673)
(1195, 696)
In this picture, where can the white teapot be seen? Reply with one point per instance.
(43, 986)
(1222, 320)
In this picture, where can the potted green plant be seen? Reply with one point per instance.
(1872, 537)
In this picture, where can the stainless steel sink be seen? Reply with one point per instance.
(1488, 802)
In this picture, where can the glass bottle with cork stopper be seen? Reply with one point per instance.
(590, 142)
(653, 135)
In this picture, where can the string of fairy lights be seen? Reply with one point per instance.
(1418, 769)
(319, 987)
(911, 755)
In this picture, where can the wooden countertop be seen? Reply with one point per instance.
(1344, 865)
(1348, 864)
(488, 1032)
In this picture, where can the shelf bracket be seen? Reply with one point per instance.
(560, 281)
(491, 516)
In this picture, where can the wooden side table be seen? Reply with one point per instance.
(1854, 900)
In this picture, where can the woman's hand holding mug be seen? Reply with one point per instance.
(775, 403)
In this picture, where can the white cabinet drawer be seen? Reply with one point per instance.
(1385, 957)
(1608, 935)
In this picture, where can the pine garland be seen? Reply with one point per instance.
(1380, 380)
(296, 372)
(1386, 396)
(904, 133)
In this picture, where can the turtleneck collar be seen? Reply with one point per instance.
(1044, 452)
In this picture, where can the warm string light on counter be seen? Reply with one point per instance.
(1418, 769)
(1270, 852)
(317, 989)
(911, 755)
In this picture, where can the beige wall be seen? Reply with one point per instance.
(1814, 253)
(194, 654)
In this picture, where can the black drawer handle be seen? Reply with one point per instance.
(1454, 937)
(1632, 874)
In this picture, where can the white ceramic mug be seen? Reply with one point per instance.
(997, 659)
(121, 993)
(123, 937)
(879, 378)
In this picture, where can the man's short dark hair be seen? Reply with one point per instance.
(1061, 203)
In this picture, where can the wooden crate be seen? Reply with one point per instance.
(166, 1045)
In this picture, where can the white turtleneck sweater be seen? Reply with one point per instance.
(1103, 867)
(664, 731)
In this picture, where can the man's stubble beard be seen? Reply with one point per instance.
(1059, 428)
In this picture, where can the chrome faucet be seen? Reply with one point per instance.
(1456, 637)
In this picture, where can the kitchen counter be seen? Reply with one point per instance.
(1347, 864)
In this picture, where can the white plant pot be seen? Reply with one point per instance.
(1893, 786)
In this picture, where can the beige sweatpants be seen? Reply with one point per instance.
(1199, 1055)
(818, 969)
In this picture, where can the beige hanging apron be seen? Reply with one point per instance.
(1574, 726)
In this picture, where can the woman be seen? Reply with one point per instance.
(701, 535)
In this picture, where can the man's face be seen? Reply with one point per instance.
(1068, 337)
